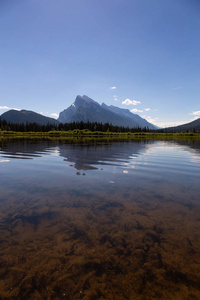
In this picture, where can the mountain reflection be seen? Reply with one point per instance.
(87, 157)
(84, 156)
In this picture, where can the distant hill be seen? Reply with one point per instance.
(85, 109)
(27, 116)
(192, 126)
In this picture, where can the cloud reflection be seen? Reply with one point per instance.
(4, 160)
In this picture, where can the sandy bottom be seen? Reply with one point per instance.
(102, 247)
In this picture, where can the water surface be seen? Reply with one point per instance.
(99, 220)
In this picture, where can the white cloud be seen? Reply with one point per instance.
(113, 87)
(195, 118)
(196, 113)
(115, 98)
(169, 124)
(130, 102)
(135, 110)
(163, 124)
(156, 122)
(147, 109)
(6, 107)
(55, 115)
(150, 119)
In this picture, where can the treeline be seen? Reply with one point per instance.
(91, 126)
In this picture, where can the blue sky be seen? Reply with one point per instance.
(143, 55)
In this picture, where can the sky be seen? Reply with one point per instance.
(142, 55)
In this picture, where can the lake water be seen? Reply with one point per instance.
(99, 219)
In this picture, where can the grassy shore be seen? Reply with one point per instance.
(79, 134)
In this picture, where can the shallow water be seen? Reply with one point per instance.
(99, 220)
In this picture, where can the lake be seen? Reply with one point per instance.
(99, 219)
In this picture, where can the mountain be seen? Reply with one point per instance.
(85, 109)
(192, 126)
(27, 116)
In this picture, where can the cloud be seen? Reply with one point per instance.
(195, 118)
(130, 102)
(196, 113)
(115, 98)
(134, 110)
(6, 107)
(150, 109)
(54, 115)
(113, 87)
(150, 119)
(162, 124)
(169, 124)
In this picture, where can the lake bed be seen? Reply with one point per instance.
(99, 220)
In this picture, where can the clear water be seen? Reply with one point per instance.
(99, 220)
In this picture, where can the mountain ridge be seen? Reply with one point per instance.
(193, 125)
(27, 116)
(86, 109)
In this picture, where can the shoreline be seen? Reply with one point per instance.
(80, 134)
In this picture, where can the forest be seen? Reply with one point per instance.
(91, 126)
